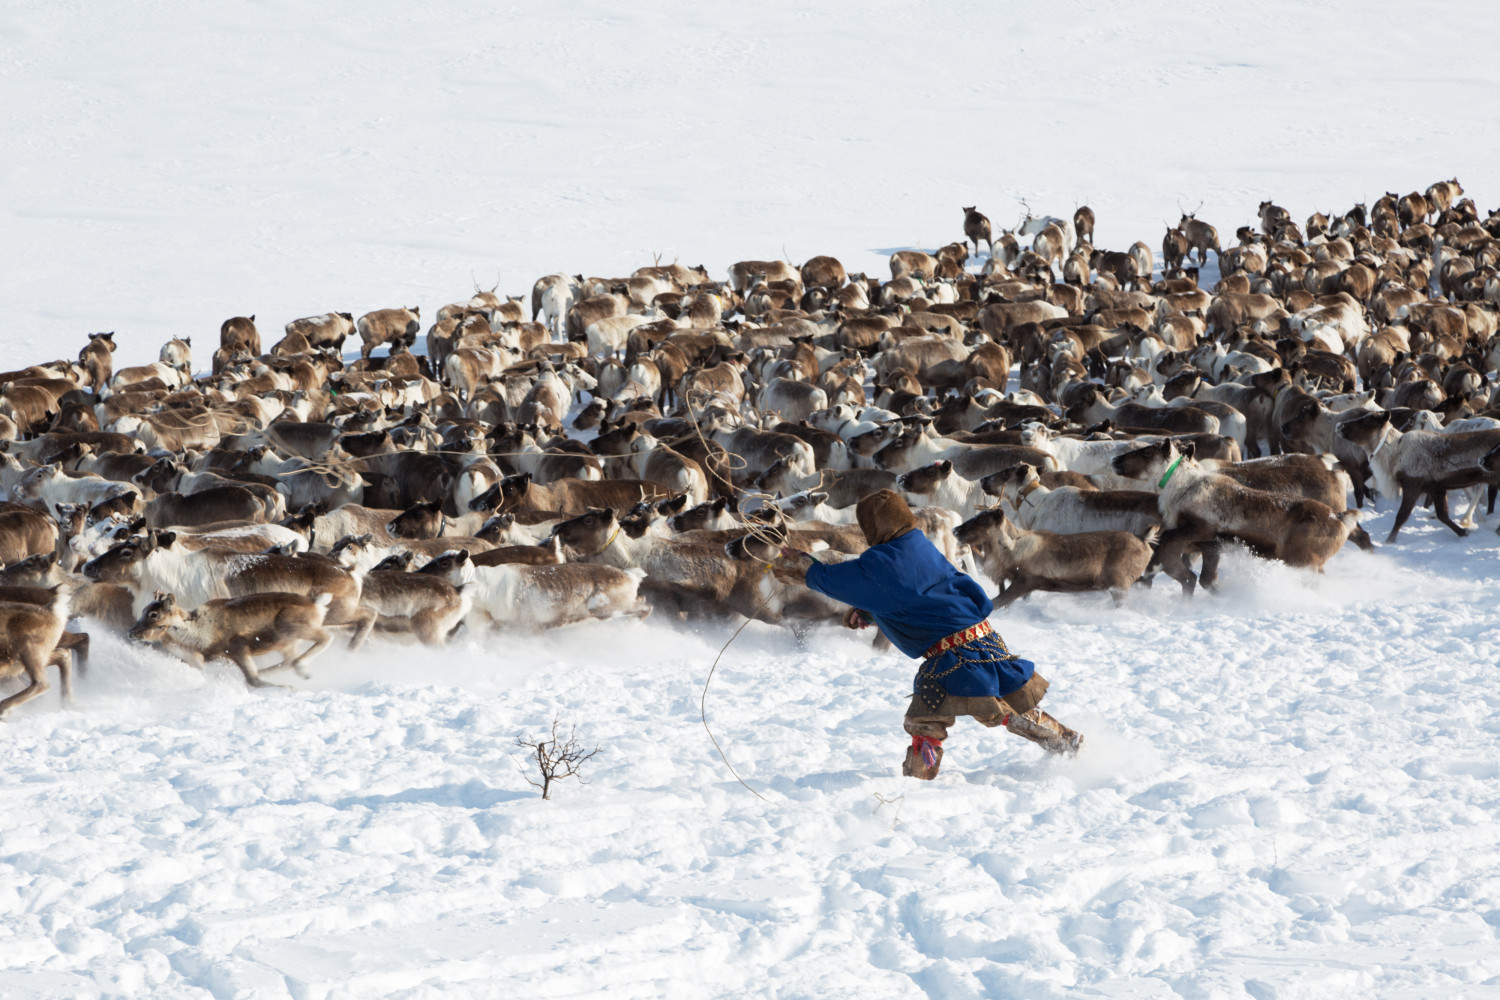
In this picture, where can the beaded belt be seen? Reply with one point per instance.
(960, 638)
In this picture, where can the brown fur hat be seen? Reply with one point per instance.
(884, 516)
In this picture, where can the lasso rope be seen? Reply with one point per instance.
(775, 543)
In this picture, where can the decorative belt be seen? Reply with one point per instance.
(960, 638)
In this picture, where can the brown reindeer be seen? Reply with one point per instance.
(225, 502)
(1200, 235)
(238, 629)
(976, 228)
(566, 497)
(823, 272)
(98, 359)
(324, 332)
(1083, 225)
(1199, 506)
(29, 637)
(1412, 209)
(390, 327)
(239, 333)
(1441, 196)
(1021, 561)
(917, 263)
(155, 561)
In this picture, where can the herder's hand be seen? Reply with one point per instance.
(856, 619)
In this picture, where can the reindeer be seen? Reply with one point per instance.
(1441, 196)
(327, 331)
(389, 327)
(238, 629)
(1198, 505)
(97, 358)
(1200, 235)
(1273, 217)
(156, 561)
(239, 333)
(29, 641)
(1412, 209)
(1083, 225)
(1033, 225)
(1021, 561)
(825, 272)
(1035, 506)
(178, 353)
(976, 228)
(1174, 248)
(1419, 462)
(519, 595)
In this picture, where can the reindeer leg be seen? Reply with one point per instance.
(1410, 492)
(239, 652)
(363, 622)
(320, 637)
(1209, 574)
(1172, 550)
(426, 627)
(36, 673)
(1020, 587)
(1440, 506)
(63, 660)
(78, 644)
(1361, 491)
(1476, 495)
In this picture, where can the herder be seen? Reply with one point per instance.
(902, 584)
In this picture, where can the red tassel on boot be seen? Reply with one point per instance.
(923, 757)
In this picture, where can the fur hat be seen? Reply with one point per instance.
(884, 516)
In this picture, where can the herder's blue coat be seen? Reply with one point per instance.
(917, 598)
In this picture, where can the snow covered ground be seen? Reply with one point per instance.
(1289, 790)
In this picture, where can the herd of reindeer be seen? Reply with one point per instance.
(650, 442)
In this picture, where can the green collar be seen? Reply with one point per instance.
(1170, 469)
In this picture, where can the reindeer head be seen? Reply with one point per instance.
(589, 532)
(455, 566)
(157, 617)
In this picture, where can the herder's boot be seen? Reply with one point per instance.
(1045, 731)
(923, 758)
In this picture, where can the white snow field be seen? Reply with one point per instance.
(1290, 788)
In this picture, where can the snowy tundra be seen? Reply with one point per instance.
(1290, 787)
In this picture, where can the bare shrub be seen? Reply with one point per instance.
(556, 758)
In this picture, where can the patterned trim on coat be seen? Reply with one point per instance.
(959, 638)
